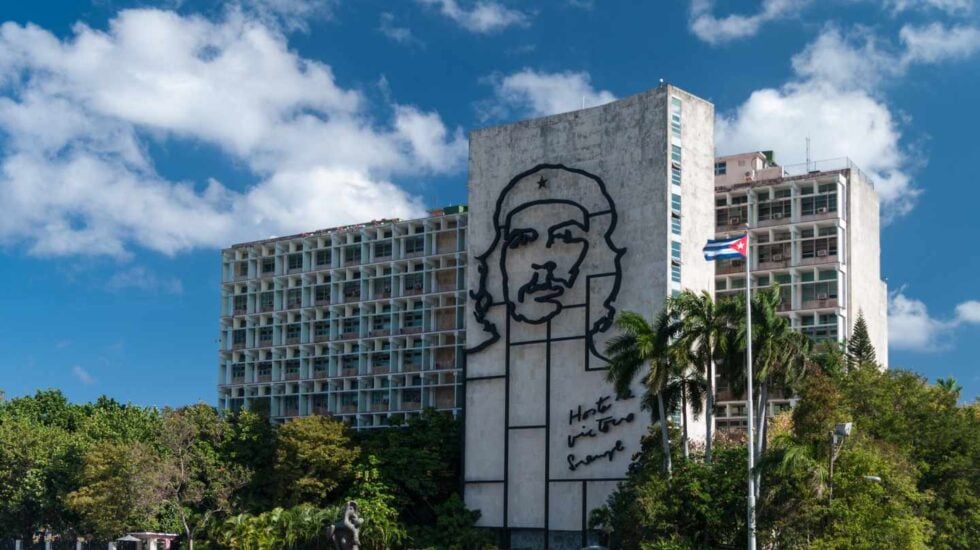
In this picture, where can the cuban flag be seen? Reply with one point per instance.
(725, 249)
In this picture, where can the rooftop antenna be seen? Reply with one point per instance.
(808, 154)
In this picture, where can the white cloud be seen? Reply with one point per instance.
(911, 327)
(531, 93)
(82, 375)
(718, 30)
(485, 17)
(968, 312)
(77, 114)
(140, 278)
(839, 123)
(953, 7)
(402, 35)
(291, 14)
(936, 42)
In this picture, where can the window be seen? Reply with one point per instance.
(322, 257)
(268, 266)
(322, 294)
(675, 202)
(721, 168)
(413, 281)
(295, 261)
(415, 245)
(413, 319)
(294, 298)
(675, 153)
(241, 269)
(382, 250)
(292, 331)
(675, 250)
(265, 334)
(675, 117)
(675, 175)
(675, 273)
(238, 337)
(352, 254)
(321, 329)
(351, 326)
(266, 301)
(241, 302)
(675, 225)
(352, 290)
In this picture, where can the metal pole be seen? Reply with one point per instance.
(750, 381)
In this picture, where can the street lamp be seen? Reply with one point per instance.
(841, 431)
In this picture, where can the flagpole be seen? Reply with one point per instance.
(748, 316)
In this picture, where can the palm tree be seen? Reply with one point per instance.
(685, 386)
(704, 330)
(781, 357)
(642, 344)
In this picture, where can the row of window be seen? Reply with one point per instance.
(675, 197)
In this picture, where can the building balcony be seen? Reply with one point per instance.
(352, 297)
(819, 258)
(380, 407)
(319, 373)
(380, 332)
(380, 370)
(266, 308)
(349, 335)
(294, 340)
(413, 291)
(729, 269)
(819, 303)
(240, 345)
(292, 376)
(239, 311)
(263, 378)
(411, 405)
(237, 379)
(411, 367)
(349, 408)
(410, 330)
(320, 410)
(774, 264)
(324, 302)
(349, 371)
(290, 412)
(321, 338)
(820, 214)
(294, 304)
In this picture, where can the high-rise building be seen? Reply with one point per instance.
(574, 218)
(362, 322)
(815, 232)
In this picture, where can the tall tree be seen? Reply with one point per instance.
(640, 345)
(118, 490)
(314, 461)
(704, 329)
(685, 393)
(194, 481)
(860, 351)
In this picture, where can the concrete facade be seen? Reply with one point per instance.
(362, 323)
(814, 232)
(573, 218)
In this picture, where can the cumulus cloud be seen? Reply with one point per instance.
(937, 42)
(719, 30)
(531, 93)
(911, 327)
(140, 278)
(77, 115)
(484, 17)
(82, 375)
(834, 99)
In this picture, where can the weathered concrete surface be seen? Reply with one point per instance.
(547, 245)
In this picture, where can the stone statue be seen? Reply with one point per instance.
(345, 532)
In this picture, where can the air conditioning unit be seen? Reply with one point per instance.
(734, 221)
(822, 296)
(821, 253)
(777, 257)
(822, 210)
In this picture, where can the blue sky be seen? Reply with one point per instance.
(138, 138)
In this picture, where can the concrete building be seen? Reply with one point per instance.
(361, 322)
(814, 232)
(573, 218)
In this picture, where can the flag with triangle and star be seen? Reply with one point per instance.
(724, 249)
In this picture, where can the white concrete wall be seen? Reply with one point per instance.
(518, 420)
(866, 291)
